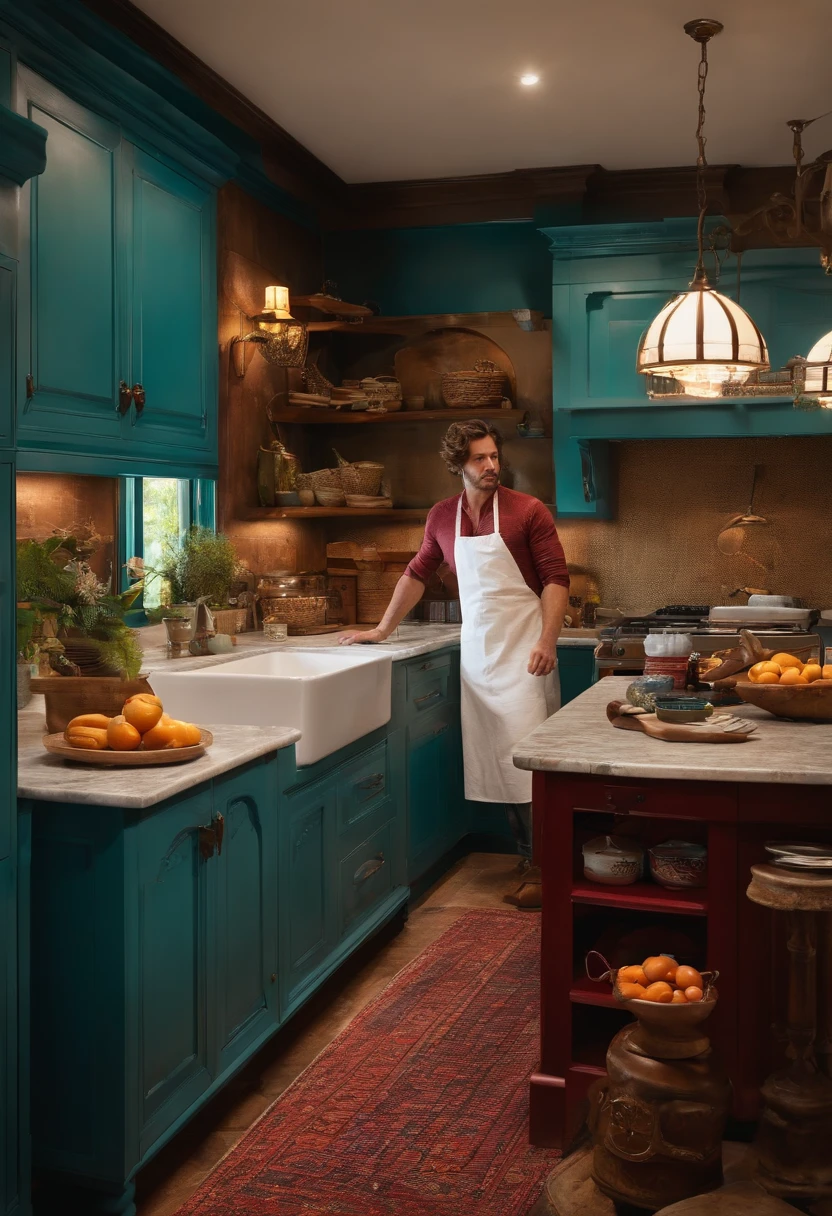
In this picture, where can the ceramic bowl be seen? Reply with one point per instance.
(613, 860)
(679, 863)
(682, 709)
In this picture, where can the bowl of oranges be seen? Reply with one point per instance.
(141, 734)
(788, 687)
(671, 1001)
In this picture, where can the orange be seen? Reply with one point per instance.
(632, 975)
(170, 733)
(693, 994)
(769, 677)
(89, 738)
(121, 736)
(812, 672)
(827, 671)
(792, 676)
(759, 669)
(660, 967)
(660, 992)
(786, 660)
(142, 711)
(679, 998)
(100, 721)
(192, 734)
(687, 977)
(632, 992)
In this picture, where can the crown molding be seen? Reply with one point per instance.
(22, 147)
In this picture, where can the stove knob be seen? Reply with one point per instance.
(618, 652)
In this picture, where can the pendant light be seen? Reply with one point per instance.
(701, 339)
(817, 384)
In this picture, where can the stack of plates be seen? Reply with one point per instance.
(367, 500)
(800, 856)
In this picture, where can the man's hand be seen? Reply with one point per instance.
(362, 635)
(543, 659)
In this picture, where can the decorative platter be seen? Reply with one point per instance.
(58, 746)
(800, 856)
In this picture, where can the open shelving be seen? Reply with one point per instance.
(399, 513)
(643, 897)
(324, 416)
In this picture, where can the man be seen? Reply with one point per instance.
(513, 589)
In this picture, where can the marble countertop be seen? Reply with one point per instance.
(579, 739)
(49, 779)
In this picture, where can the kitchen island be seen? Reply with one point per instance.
(593, 780)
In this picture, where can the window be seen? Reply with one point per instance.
(156, 513)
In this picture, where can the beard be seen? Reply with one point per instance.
(486, 481)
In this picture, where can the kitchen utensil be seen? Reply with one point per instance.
(57, 745)
(732, 536)
(612, 860)
(800, 856)
(806, 702)
(484, 386)
(679, 863)
(720, 728)
(683, 709)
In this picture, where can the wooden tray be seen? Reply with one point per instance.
(58, 746)
(734, 730)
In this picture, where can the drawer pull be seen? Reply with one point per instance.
(426, 666)
(628, 803)
(440, 730)
(371, 783)
(125, 396)
(367, 869)
(429, 696)
(210, 838)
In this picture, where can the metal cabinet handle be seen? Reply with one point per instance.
(371, 783)
(210, 838)
(426, 666)
(138, 394)
(627, 807)
(367, 869)
(125, 396)
(30, 386)
(440, 730)
(429, 696)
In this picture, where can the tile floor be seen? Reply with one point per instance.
(477, 881)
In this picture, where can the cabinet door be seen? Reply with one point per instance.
(8, 654)
(174, 309)
(176, 896)
(8, 1041)
(432, 785)
(246, 870)
(7, 361)
(307, 881)
(72, 339)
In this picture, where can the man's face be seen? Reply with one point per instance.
(481, 470)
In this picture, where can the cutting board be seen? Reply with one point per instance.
(720, 728)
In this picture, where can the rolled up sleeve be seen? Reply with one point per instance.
(430, 556)
(545, 547)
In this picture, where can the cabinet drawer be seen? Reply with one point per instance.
(362, 785)
(711, 801)
(366, 875)
(417, 669)
(427, 691)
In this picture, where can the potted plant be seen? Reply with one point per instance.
(204, 568)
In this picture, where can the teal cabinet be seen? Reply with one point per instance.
(118, 314)
(73, 337)
(247, 918)
(8, 284)
(307, 895)
(173, 314)
(176, 953)
(576, 666)
(10, 1144)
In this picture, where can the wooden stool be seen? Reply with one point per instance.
(794, 1139)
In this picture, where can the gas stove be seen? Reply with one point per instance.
(620, 649)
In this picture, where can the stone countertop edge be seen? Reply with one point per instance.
(47, 778)
(580, 739)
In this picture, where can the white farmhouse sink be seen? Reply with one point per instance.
(333, 698)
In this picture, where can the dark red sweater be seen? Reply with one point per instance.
(525, 525)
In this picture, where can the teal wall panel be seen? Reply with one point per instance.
(8, 270)
(458, 268)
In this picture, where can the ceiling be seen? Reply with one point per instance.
(384, 90)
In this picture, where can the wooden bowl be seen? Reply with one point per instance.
(57, 745)
(330, 498)
(808, 702)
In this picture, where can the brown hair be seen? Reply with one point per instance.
(457, 442)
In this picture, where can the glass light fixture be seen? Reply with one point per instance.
(818, 373)
(282, 339)
(701, 339)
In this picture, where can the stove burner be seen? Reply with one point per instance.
(684, 610)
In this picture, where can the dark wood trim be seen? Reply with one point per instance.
(287, 161)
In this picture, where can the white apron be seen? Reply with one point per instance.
(501, 702)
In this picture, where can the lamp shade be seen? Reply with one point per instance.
(818, 381)
(277, 303)
(702, 340)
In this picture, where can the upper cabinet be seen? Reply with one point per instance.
(117, 318)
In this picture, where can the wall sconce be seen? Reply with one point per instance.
(280, 339)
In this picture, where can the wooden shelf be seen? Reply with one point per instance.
(522, 318)
(642, 897)
(324, 416)
(330, 306)
(398, 513)
(585, 992)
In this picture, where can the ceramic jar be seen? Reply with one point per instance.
(613, 860)
(679, 863)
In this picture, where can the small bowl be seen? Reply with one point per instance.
(287, 498)
(330, 498)
(681, 710)
(679, 863)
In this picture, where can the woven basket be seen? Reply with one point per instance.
(316, 381)
(67, 696)
(321, 479)
(373, 591)
(363, 477)
(484, 387)
(295, 609)
(383, 390)
(230, 620)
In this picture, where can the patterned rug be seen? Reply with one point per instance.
(419, 1107)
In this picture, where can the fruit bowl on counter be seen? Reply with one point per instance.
(142, 734)
(789, 688)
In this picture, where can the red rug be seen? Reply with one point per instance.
(420, 1107)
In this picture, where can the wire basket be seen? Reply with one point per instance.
(483, 387)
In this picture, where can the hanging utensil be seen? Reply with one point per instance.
(732, 536)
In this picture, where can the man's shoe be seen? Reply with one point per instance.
(529, 895)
